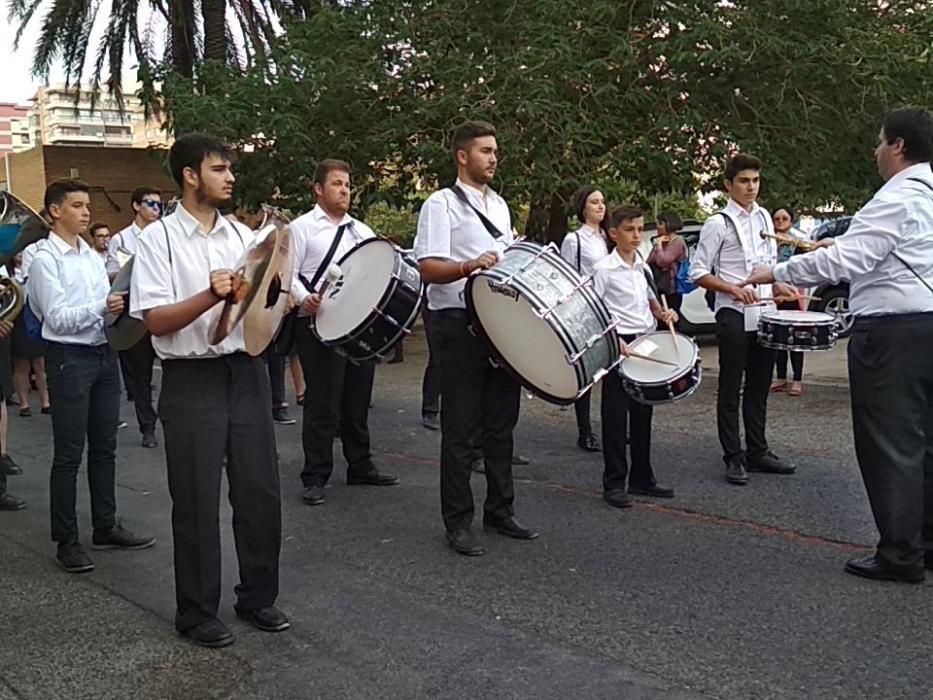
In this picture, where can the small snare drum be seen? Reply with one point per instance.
(797, 330)
(653, 383)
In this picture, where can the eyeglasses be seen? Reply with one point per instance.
(154, 203)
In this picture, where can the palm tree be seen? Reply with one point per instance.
(67, 24)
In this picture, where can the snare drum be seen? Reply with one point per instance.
(797, 330)
(373, 304)
(653, 383)
(542, 322)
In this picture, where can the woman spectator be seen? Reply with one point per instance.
(783, 218)
(584, 248)
(666, 255)
(28, 357)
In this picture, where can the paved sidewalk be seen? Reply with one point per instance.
(824, 368)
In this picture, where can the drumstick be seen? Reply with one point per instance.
(670, 326)
(332, 275)
(639, 356)
(796, 298)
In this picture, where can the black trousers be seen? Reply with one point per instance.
(137, 374)
(625, 421)
(891, 385)
(338, 394)
(582, 408)
(740, 355)
(796, 363)
(479, 399)
(431, 384)
(275, 362)
(211, 408)
(84, 390)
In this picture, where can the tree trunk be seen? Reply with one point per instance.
(215, 30)
(557, 219)
(181, 17)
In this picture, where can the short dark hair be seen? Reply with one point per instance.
(190, 150)
(140, 193)
(465, 133)
(784, 207)
(579, 203)
(93, 228)
(56, 192)
(326, 167)
(671, 221)
(626, 213)
(740, 162)
(915, 126)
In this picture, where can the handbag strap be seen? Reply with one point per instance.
(325, 263)
(462, 196)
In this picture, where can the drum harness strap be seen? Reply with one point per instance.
(325, 262)
(905, 263)
(490, 227)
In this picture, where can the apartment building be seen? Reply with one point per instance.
(15, 134)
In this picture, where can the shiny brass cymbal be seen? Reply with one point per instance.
(260, 300)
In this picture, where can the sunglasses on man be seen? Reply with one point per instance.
(153, 203)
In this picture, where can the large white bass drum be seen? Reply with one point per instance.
(543, 322)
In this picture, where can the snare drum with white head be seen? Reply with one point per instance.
(373, 304)
(655, 383)
(797, 330)
(542, 322)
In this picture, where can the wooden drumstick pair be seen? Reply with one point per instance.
(670, 326)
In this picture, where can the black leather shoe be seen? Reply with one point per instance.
(770, 463)
(313, 496)
(589, 443)
(618, 498)
(430, 421)
(9, 467)
(478, 465)
(212, 633)
(10, 502)
(735, 471)
(510, 527)
(654, 490)
(119, 537)
(269, 619)
(465, 542)
(928, 560)
(73, 559)
(149, 440)
(373, 478)
(873, 568)
(520, 461)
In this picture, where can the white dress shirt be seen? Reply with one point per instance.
(624, 288)
(450, 230)
(160, 281)
(126, 239)
(29, 252)
(591, 246)
(733, 257)
(312, 236)
(67, 289)
(898, 221)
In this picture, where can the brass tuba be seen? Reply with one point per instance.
(19, 226)
(12, 298)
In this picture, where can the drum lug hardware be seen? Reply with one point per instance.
(572, 359)
(539, 254)
(547, 312)
(388, 318)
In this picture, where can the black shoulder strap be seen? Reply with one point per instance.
(171, 265)
(579, 266)
(904, 262)
(922, 182)
(462, 196)
(652, 285)
(325, 263)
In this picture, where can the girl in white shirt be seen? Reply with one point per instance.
(584, 248)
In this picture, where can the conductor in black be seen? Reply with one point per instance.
(462, 229)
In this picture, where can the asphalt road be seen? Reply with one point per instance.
(724, 592)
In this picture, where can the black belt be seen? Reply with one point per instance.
(451, 313)
(889, 319)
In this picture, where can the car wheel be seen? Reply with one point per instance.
(836, 302)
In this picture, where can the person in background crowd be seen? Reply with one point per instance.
(7, 466)
(137, 362)
(28, 357)
(666, 256)
(68, 291)
(783, 218)
(584, 248)
(99, 237)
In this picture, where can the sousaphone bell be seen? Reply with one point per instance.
(260, 296)
(19, 227)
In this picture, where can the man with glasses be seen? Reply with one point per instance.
(137, 361)
(99, 236)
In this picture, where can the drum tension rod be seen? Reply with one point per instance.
(548, 311)
(544, 251)
(572, 359)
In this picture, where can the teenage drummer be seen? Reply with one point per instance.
(621, 280)
(338, 392)
(462, 229)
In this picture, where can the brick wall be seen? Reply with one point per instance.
(27, 176)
